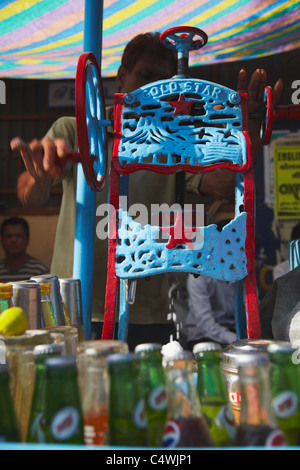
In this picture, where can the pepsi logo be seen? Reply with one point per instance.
(171, 434)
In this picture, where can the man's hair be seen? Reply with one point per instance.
(143, 44)
(15, 221)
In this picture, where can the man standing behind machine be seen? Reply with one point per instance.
(144, 60)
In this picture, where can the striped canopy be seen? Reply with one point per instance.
(43, 39)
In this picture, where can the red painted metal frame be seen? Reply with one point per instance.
(84, 62)
(267, 135)
(197, 44)
(112, 279)
(290, 111)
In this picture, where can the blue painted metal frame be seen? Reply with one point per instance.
(151, 126)
(195, 126)
(86, 198)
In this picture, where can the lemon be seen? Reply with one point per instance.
(13, 322)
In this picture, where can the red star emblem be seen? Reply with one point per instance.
(179, 234)
(182, 106)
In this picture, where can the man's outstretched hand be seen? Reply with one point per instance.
(255, 88)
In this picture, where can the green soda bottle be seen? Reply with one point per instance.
(213, 394)
(127, 415)
(9, 430)
(6, 294)
(64, 420)
(37, 419)
(285, 390)
(153, 384)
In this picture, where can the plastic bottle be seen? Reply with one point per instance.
(153, 383)
(64, 419)
(6, 294)
(127, 414)
(285, 390)
(9, 430)
(37, 419)
(258, 425)
(186, 425)
(213, 394)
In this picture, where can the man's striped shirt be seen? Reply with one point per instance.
(32, 267)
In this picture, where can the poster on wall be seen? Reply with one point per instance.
(268, 157)
(287, 181)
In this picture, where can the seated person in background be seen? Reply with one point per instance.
(18, 265)
(284, 267)
(211, 309)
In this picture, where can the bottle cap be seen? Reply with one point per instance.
(251, 344)
(146, 347)
(55, 348)
(207, 346)
(281, 347)
(120, 357)
(45, 288)
(101, 347)
(6, 290)
(253, 359)
(61, 362)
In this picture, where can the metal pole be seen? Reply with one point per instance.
(85, 228)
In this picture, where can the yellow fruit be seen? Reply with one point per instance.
(13, 322)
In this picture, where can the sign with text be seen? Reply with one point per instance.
(287, 181)
(62, 93)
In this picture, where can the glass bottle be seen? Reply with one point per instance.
(258, 425)
(213, 394)
(95, 397)
(64, 419)
(186, 425)
(127, 415)
(153, 384)
(6, 294)
(47, 307)
(9, 430)
(285, 390)
(36, 425)
(104, 347)
(20, 358)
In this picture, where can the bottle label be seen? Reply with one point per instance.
(158, 398)
(225, 419)
(139, 415)
(38, 427)
(65, 423)
(172, 434)
(235, 398)
(275, 439)
(285, 404)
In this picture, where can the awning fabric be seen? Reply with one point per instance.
(43, 39)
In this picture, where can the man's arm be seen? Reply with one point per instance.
(255, 90)
(41, 159)
(202, 312)
(32, 192)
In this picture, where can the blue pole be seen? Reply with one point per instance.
(85, 228)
